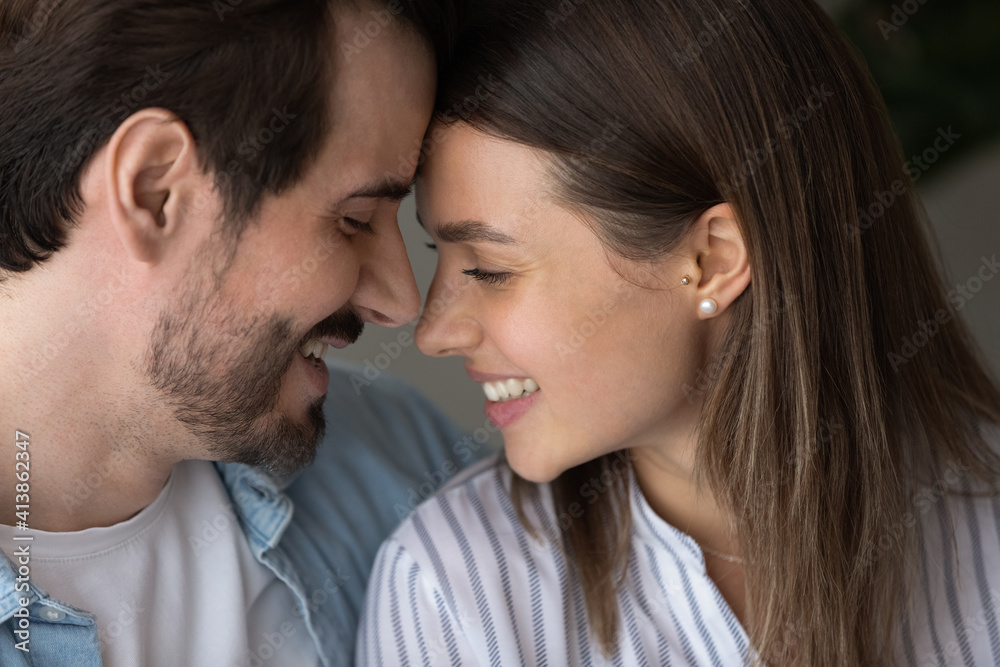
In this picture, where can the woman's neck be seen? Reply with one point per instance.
(667, 481)
(669, 486)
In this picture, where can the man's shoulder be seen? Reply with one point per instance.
(389, 422)
(384, 443)
(353, 394)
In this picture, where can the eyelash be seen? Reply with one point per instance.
(359, 226)
(488, 277)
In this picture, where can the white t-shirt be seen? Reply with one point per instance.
(176, 584)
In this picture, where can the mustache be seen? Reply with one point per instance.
(345, 324)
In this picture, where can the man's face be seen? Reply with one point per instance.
(230, 355)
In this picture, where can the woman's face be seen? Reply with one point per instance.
(524, 290)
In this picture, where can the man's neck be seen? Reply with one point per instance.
(100, 445)
(87, 463)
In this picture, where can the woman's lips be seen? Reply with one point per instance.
(505, 413)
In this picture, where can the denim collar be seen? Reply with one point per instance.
(258, 497)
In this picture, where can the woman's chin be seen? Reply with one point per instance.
(533, 466)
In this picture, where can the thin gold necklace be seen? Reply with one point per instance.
(726, 557)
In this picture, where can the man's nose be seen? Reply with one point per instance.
(387, 292)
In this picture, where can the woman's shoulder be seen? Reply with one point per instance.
(475, 511)
(463, 564)
(953, 607)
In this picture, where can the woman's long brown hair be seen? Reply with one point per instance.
(847, 380)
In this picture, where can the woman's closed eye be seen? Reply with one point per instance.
(495, 278)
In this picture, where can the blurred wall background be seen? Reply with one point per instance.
(937, 63)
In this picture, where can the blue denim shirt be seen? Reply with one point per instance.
(318, 530)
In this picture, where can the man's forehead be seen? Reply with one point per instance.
(381, 101)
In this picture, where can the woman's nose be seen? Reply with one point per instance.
(447, 325)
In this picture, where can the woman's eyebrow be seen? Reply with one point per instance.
(469, 231)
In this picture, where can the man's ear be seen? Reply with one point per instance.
(722, 270)
(152, 175)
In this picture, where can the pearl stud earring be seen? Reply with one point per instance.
(708, 306)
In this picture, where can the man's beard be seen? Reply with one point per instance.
(225, 386)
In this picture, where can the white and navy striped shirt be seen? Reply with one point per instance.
(461, 582)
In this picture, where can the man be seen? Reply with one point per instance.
(196, 199)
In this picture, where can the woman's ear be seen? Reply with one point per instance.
(151, 171)
(720, 254)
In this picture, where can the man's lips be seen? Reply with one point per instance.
(337, 343)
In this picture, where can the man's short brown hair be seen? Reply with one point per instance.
(250, 78)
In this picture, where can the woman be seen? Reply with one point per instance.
(742, 420)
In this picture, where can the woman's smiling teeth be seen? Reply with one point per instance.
(313, 348)
(509, 390)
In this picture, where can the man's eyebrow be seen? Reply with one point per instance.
(387, 188)
(469, 231)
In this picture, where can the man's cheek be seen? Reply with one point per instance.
(291, 280)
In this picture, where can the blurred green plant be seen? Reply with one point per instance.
(937, 63)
